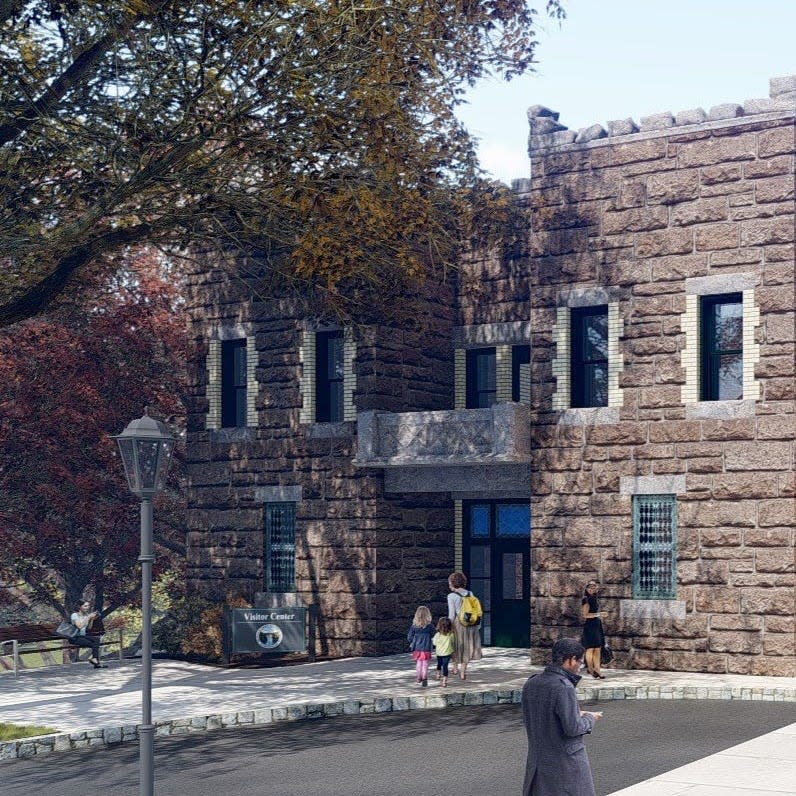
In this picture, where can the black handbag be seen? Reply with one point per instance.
(606, 655)
(67, 630)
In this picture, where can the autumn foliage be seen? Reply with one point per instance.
(319, 138)
(68, 525)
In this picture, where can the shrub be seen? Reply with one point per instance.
(193, 626)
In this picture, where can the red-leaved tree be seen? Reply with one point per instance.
(69, 527)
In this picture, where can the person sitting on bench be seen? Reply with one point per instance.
(81, 619)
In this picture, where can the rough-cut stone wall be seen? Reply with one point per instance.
(365, 558)
(494, 285)
(641, 215)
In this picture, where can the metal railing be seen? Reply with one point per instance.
(19, 648)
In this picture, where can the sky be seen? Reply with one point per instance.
(613, 59)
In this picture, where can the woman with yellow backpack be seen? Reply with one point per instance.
(464, 610)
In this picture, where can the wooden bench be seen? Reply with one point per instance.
(18, 640)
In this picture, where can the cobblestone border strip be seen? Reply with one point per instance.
(39, 745)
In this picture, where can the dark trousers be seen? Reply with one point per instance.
(442, 664)
(88, 641)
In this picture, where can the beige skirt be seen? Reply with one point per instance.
(468, 643)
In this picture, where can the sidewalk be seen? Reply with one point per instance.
(99, 707)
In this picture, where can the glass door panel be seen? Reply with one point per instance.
(480, 582)
(497, 550)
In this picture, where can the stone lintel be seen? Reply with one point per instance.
(489, 334)
(719, 410)
(277, 494)
(267, 599)
(225, 436)
(583, 297)
(476, 479)
(347, 428)
(651, 484)
(589, 416)
(652, 609)
(720, 283)
(494, 494)
(231, 331)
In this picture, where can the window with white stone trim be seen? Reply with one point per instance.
(720, 351)
(231, 379)
(588, 359)
(328, 379)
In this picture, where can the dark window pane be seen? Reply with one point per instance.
(334, 358)
(479, 521)
(329, 376)
(514, 520)
(728, 320)
(595, 337)
(721, 348)
(239, 364)
(512, 576)
(233, 383)
(730, 377)
(589, 356)
(481, 378)
(479, 563)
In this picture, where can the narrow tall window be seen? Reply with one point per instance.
(520, 355)
(233, 383)
(721, 348)
(654, 546)
(481, 378)
(329, 377)
(589, 363)
(280, 547)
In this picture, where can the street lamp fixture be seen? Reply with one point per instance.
(146, 447)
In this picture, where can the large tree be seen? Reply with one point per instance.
(317, 136)
(68, 524)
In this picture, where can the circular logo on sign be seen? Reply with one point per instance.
(268, 636)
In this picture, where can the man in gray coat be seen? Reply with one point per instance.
(557, 762)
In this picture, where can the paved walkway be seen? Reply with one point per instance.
(79, 701)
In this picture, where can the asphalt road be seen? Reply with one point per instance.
(466, 751)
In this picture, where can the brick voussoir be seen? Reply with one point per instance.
(40, 745)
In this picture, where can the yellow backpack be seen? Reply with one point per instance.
(470, 612)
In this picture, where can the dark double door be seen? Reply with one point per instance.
(497, 560)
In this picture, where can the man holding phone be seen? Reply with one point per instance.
(555, 725)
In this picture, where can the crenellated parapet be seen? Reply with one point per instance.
(546, 132)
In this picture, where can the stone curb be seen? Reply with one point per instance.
(39, 745)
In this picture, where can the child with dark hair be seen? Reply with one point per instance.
(420, 632)
(444, 642)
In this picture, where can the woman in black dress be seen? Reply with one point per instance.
(593, 637)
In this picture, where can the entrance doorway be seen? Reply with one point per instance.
(497, 560)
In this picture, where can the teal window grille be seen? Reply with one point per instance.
(280, 547)
(654, 547)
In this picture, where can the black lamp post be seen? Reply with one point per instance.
(146, 447)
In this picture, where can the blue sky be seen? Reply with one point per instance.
(611, 59)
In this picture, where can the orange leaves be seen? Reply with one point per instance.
(324, 130)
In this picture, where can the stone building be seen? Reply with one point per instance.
(612, 398)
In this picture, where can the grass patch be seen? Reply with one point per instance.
(10, 732)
